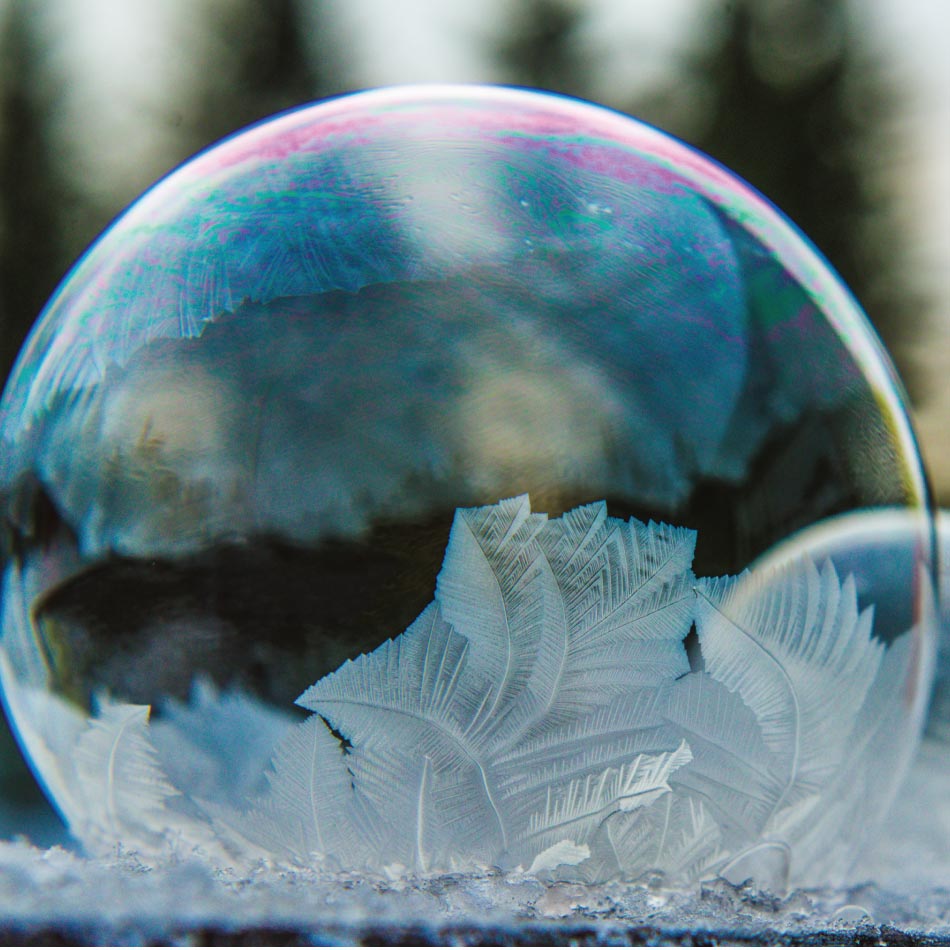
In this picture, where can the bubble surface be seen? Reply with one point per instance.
(235, 442)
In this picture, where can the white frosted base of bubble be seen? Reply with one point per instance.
(902, 883)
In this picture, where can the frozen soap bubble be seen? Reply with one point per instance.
(313, 391)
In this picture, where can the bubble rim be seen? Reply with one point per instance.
(276, 136)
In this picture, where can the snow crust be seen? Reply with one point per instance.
(904, 883)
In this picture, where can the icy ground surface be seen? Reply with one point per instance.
(904, 883)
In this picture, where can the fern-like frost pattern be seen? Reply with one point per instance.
(541, 713)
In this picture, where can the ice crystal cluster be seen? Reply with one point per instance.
(265, 424)
(542, 713)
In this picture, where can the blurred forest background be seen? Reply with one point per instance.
(838, 111)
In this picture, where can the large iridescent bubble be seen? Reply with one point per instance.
(236, 440)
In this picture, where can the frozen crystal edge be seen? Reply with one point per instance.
(541, 710)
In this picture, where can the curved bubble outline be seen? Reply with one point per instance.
(555, 116)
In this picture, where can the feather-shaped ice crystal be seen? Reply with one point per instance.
(541, 712)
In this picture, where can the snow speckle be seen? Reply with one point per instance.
(122, 899)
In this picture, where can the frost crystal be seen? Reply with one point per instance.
(541, 713)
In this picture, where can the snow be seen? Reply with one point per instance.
(123, 900)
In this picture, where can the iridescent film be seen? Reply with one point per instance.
(235, 443)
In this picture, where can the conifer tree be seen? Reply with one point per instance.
(263, 58)
(31, 264)
(538, 47)
(31, 188)
(796, 109)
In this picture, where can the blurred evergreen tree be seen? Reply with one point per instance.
(796, 107)
(31, 264)
(31, 188)
(261, 58)
(539, 47)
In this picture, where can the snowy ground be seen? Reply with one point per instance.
(59, 896)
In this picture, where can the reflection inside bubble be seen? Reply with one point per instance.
(235, 444)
